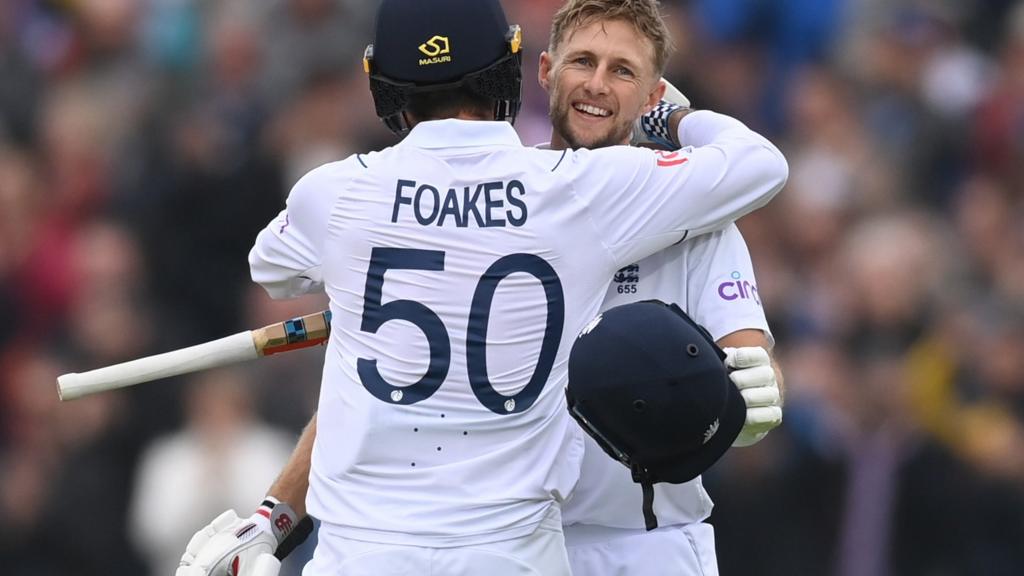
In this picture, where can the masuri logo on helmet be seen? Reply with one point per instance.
(437, 49)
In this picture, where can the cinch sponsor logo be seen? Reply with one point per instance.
(738, 289)
(437, 50)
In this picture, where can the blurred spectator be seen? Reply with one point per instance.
(316, 128)
(312, 37)
(172, 34)
(999, 125)
(22, 86)
(874, 494)
(774, 38)
(67, 465)
(71, 191)
(987, 220)
(20, 211)
(223, 458)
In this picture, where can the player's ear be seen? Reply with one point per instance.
(655, 95)
(544, 71)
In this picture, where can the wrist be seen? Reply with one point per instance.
(675, 121)
(275, 517)
(658, 126)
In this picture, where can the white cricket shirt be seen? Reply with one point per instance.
(460, 266)
(710, 277)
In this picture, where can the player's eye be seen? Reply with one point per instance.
(624, 72)
(581, 61)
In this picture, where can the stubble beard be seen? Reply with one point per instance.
(617, 134)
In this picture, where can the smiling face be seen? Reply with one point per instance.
(600, 79)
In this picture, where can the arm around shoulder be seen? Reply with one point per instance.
(732, 162)
(706, 127)
(700, 128)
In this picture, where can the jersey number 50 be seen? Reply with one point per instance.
(375, 314)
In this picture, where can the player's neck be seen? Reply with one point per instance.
(472, 115)
(557, 142)
(461, 115)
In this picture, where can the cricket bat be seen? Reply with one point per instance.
(302, 332)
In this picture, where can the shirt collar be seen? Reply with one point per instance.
(452, 133)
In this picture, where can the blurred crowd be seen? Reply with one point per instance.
(143, 143)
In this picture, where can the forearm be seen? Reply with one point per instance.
(706, 128)
(675, 120)
(738, 169)
(293, 483)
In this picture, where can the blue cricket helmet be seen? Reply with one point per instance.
(651, 387)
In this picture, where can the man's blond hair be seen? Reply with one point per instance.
(644, 15)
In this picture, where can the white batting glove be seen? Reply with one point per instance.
(652, 129)
(266, 565)
(753, 374)
(233, 546)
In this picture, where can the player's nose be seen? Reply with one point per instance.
(597, 82)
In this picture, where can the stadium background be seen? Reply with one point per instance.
(143, 143)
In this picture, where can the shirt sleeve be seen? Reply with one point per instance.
(721, 287)
(643, 201)
(286, 258)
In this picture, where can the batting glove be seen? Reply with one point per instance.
(653, 128)
(233, 546)
(753, 374)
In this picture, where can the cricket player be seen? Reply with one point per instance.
(460, 265)
(612, 51)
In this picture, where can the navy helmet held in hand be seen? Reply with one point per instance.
(651, 387)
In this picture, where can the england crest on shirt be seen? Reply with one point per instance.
(626, 279)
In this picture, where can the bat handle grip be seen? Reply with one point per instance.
(228, 350)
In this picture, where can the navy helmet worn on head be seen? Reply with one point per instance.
(422, 46)
(651, 387)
